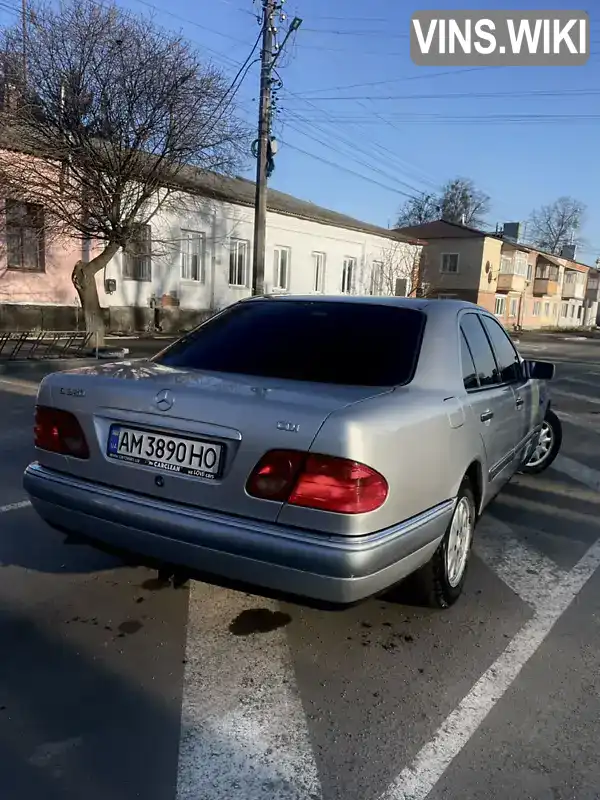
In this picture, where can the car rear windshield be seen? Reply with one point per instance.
(359, 344)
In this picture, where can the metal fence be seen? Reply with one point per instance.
(43, 344)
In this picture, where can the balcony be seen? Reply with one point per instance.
(546, 287)
(509, 282)
(573, 291)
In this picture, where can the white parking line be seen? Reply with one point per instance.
(528, 572)
(579, 381)
(584, 398)
(244, 733)
(579, 472)
(416, 781)
(27, 388)
(14, 506)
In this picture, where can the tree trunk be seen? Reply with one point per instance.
(84, 281)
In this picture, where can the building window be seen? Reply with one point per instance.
(536, 308)
(377, 278)
(25, 245)
(319, 271)
(192, 256)
(449, 263)
(282, 268)
(238, 262)
(529, 272)
(592, 283)
(546, 309)
(572, 311)
(500, 306)
(563, 309)
(570, 277)
(514, 305)
(137, 258)
(348, 271)
(506, 265)
(521, 264)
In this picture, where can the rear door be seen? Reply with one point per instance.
(512, 372)
(492, 401)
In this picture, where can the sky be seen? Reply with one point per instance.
(360, 127)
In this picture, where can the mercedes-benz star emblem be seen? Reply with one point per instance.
(164, 400)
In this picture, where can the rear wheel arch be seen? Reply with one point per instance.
(474, 475)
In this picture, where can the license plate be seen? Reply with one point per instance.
(194, 457)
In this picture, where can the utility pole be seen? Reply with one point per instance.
(265, 148)
(264, 129)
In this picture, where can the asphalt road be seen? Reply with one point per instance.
(112, 687)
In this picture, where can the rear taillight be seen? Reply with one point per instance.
(316, 481)
(59, 432)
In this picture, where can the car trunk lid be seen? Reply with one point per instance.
(235, 417)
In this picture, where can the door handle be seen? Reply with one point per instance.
(486, 416)
(519, 402)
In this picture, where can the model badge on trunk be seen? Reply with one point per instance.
(291, 427)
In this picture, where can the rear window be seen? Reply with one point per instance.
(325, 342)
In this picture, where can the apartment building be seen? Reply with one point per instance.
(523, 286)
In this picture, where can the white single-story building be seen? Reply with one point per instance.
(196, 258)
(200, 260)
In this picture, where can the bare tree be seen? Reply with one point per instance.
(557, 224)
(419, 210)
(115, 110)
(461, 202)
(395, 264)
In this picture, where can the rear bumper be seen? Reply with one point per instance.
(321, 567)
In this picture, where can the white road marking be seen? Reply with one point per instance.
(579, 381)
(27, 388)
(244, 733)
(416, 781)
(584, 398)
(587, 422)
(579, 472)
(14, 506)
(529, 573)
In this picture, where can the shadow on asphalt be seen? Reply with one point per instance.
(73, 725)
(29, 543)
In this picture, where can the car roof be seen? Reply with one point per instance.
(429, 305)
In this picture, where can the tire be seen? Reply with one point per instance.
(540, 461)
(434, 582)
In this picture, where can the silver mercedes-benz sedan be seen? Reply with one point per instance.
(324, 448)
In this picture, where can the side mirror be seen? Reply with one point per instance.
(539, 370)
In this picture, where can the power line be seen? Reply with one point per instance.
(418, 119)
(389, 154)
(194, 23)
(394, 190)
(334, 32)
(398, 80)
(310, 134)
(464, 95)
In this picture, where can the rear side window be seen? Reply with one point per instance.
(358, 344)
(506, 355)
(468, 366)
(481, 351)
